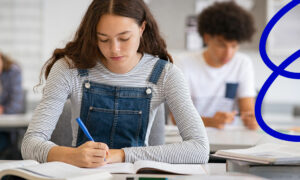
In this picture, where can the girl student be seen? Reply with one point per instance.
(116, 72)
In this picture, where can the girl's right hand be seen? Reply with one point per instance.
(90, 154)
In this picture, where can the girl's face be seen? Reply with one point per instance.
(119, 40)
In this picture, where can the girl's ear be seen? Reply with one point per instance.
(142, 28)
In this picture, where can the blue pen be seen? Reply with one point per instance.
(84, 129)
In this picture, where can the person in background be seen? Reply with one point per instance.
(220, 78)
(116, 72)
(11, 94)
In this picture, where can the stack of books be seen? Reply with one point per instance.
(274, 161)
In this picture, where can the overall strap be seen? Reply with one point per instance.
(157, 70)
(83, 72)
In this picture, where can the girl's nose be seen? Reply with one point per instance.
(115, 46)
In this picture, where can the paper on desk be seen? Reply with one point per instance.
(18, 163)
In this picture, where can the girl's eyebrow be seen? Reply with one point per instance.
(102, 34)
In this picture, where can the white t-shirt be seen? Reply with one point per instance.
(217, 89)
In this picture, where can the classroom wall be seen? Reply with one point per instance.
(61, 20)
(171, 15)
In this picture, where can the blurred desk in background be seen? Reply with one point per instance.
(15, 121)
(237, 136)
(281, 120)
(16, 126)
(228, 138)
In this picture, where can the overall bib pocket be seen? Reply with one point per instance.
(123, 126)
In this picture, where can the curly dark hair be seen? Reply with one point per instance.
(228, 20)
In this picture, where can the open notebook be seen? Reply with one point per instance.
(268, 153)
(29, 169)
(143, 166)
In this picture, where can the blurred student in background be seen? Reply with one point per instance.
(11, 95)
(221, 78)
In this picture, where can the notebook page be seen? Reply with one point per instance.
(171, 168)
(126, 168)
(59, 170)
(15, 164)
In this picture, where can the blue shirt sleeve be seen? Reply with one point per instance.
(12, 95)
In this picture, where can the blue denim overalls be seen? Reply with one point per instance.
(117, 116)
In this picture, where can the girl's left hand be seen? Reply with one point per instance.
(115, 156)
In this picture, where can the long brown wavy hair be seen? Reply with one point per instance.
(7, 62)
(83, 50)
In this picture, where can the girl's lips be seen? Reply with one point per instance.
(117, 58)
(225, 60)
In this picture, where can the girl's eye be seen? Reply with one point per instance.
(106, 40)
(124, 39)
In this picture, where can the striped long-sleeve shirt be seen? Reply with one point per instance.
(64, 82)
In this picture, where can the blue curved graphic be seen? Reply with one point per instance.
(280, 70)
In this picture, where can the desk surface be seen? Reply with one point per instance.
(237, 136)
(15, 121)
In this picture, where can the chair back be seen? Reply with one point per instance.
(62, 134)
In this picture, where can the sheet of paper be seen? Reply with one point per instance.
(117, 168)
(15, 164)
(172, 168)
(59, 170)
